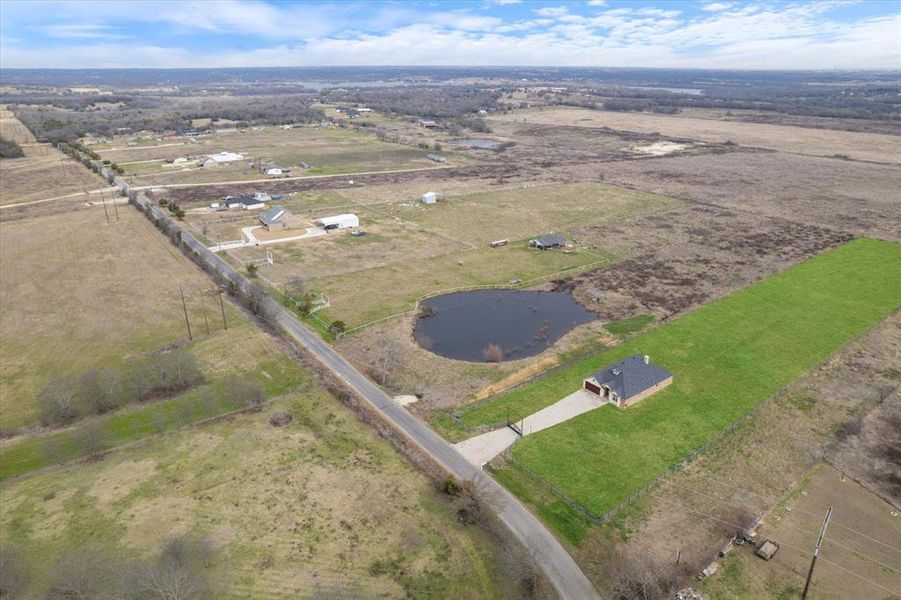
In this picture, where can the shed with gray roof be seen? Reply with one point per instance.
(546, 242)
(628, 381)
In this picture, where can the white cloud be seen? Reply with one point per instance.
(761, 36)
(597, 2)
(716, 6)
(551, 11)
(80, 31)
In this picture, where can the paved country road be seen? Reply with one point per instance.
(556, 563)
(551, 557)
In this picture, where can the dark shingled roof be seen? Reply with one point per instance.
(631, 376)
(551, 240)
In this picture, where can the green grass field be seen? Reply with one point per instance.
(727, 357)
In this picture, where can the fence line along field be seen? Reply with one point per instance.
(321, 505)
(818, 142)
(726, 358)
(56, 173)
(303, 151)
(80, 294)
(411, 249)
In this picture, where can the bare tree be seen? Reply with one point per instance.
(81, 575)
(387, 362)
(57, 401)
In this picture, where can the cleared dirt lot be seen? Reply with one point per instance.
(817, 142)
(844, 195)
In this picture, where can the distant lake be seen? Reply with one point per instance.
(519, 323)
(673, 90)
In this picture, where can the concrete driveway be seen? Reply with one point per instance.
(481, 448)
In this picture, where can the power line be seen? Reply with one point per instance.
(775, 500)
(781, 543)
(797, 528)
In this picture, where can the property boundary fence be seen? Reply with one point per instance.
(472, 288)
(632, 498)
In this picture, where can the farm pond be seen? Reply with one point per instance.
(480, 143)
(496, 325)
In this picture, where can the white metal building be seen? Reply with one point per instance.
(429, 198)
(345, 221)
(224, 157)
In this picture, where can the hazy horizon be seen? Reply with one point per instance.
(827, 35)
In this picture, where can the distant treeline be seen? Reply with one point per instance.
(864, 102)
(56, 118)
(257, 77)
(435, 102)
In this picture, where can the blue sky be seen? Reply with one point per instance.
(617, 33)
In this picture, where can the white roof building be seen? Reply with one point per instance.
(429, 198)
(345, 221)
(224, 157)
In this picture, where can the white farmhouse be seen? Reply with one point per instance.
(429, 198)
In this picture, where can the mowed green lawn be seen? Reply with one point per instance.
(727, 358)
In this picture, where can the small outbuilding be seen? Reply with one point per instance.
(767, 550)
(345, 221)
(226, 157)
(427, 123)
(429, 198)
(271, 169)
(278, 218)
(628, 381)
(546, 242)
(436, 158)
(244, 202)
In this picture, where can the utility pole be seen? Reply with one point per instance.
(105, 211)
(185, 308)
(115, 208)
(816, 551)
(222, 307)
(207, 322)
(672, 587)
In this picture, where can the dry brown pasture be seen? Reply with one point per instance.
(684, 257)
(844, 195)
(13, 129)
(818, 142)
(764, 467)
(78, 293)
(443, 382)
(326, 150)
(321, 507)
(546, 145)
(44, 173)
(386, 242)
